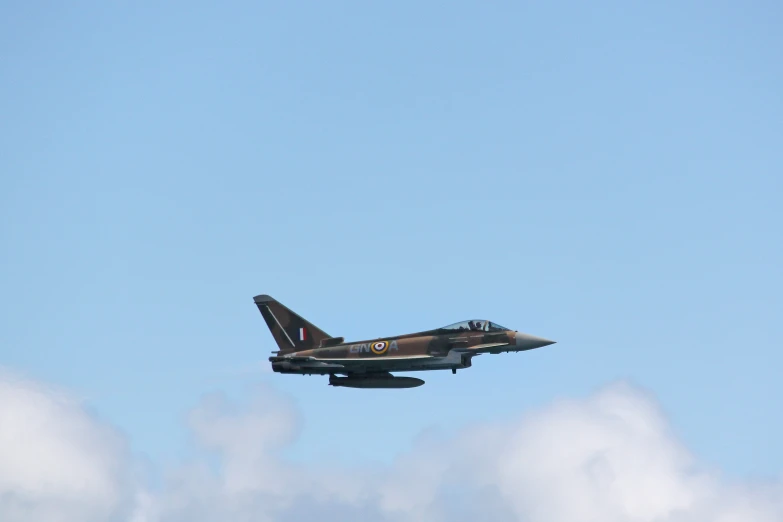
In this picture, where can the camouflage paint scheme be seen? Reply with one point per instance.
(306, 349)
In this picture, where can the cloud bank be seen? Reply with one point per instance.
(610, 457)
(57, 462)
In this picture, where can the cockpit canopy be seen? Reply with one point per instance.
(475, 325)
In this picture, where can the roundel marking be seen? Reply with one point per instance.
(379, 347)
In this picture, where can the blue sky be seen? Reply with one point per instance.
(603, 174)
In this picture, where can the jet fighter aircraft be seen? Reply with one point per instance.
(308, 350)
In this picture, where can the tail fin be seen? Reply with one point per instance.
(291, 332)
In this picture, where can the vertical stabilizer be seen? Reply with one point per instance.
(291, 332)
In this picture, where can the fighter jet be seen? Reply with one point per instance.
(306, 349)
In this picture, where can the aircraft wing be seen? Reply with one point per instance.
(297, 359)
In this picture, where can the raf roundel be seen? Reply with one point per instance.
(379, 347)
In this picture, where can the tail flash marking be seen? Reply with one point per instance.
(302, 334)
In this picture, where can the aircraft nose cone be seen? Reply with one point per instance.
(528, 342)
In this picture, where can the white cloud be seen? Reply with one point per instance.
(610, 457)
(57, 462)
